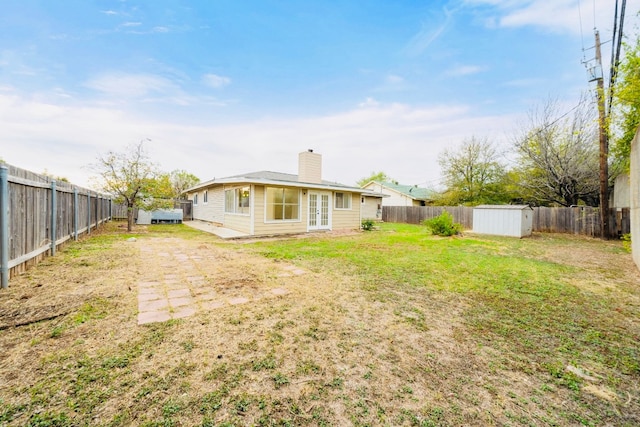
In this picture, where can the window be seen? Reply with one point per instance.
(342, 201)
(282, 204)
(205, 198)
(195, 199)
(237, 200)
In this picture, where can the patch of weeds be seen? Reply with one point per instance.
(57, 331)
(315, 333)
(337, 382)
(280, 380)
(307, 367)
(242, 404)
(115, 362)
(217, 372)
(235, 321)
(269, 362)
(249, 345)
(413, 316)
(9, 411)
(187, 346)
(212, 401)
(49, 419)
(276, 337)
(406, 389)
(283, 324)
(171, 408)
(92, 310)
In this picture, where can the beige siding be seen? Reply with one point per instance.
(370, 207)
(238, 222)
(262, 228)
(347, 219)
(213, 210)
(310, 167)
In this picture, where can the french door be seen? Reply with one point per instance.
(319, 211)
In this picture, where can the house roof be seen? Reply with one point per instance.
(412, 191)
(277, 178)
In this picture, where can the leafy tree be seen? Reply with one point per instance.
(376, 176)
(558, 156)
(134, 180)
(472, 174)
(181, 180)
(626, 115)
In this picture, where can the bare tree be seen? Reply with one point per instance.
(133, 179)
(472, 173)
(558, 155)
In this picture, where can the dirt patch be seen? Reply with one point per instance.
(266, 343)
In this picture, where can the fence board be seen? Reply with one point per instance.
(583, 220)
(29, 206)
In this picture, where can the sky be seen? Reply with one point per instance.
(224, 87)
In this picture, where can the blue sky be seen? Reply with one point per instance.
(225, 87)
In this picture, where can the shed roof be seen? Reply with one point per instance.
(504, 207)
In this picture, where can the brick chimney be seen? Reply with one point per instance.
(310, 167)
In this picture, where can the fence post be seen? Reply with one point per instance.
(88, 212)
(54, 216)
(75, 213)
(4, 226)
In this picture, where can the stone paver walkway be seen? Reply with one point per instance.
(180, 289)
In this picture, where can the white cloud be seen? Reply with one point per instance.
(131, 24)
(160, 29)
(215, 81)
(368, 103)
(393, 79)
(402, 140)
(465, 70)
(427, 34)
(563, 16)
(109, 12)
(122, 85)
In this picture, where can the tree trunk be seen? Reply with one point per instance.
(129, 217)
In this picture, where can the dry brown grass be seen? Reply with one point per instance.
(335, 350)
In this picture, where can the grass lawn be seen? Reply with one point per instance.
(389, 327)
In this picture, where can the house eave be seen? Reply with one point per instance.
(258, 181)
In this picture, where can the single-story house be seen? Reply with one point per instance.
(400, 195)
(270, 203)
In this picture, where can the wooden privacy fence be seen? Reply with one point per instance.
(38, 214)
(582, 220)
(417, 214)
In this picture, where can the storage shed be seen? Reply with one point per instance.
(503, 220)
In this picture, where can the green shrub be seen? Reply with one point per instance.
(367, 224)
(626, 242)
(443, 225)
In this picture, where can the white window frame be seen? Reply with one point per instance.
(205, 197)
(345, 196)
(195, 199)
(280, 221)
(236, 209)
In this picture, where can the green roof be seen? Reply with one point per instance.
(413, 191)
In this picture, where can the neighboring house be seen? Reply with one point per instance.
(400, 195)
(269, 203)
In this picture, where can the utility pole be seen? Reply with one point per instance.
(604, 147)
